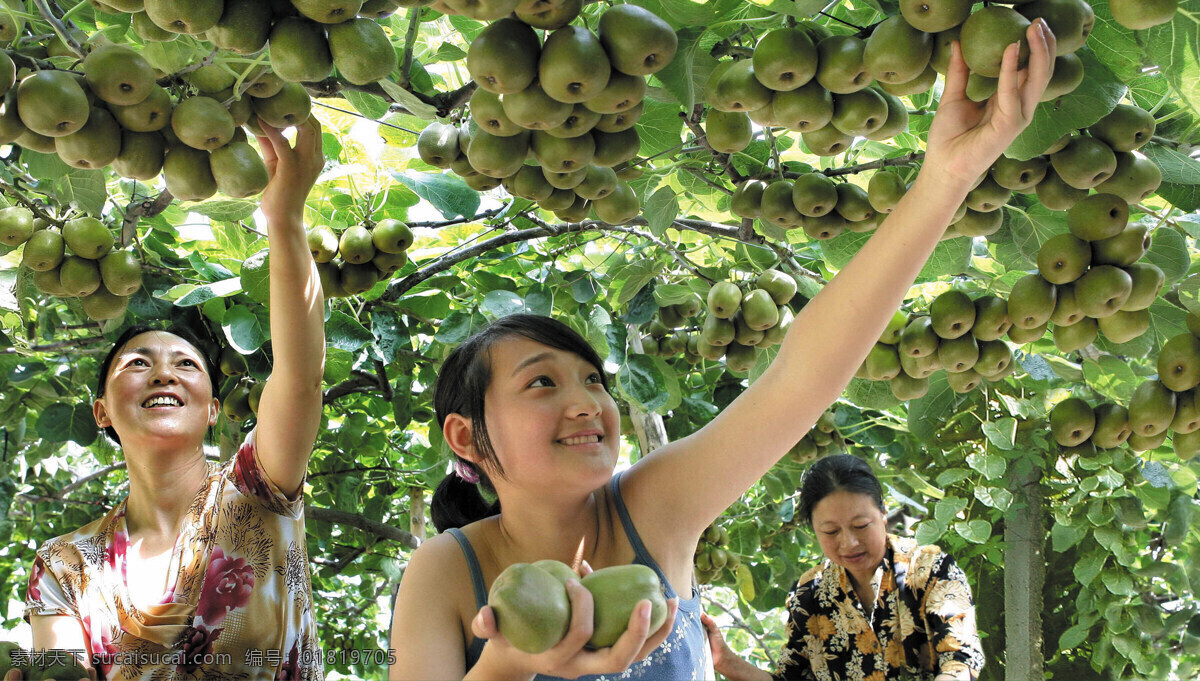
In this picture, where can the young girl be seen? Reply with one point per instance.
(201, 571)
(525, 408)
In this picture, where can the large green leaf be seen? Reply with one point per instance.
(62, 422)
(448, 194)
(641, 380)
(345, 332)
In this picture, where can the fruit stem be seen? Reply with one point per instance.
(410, 39)
(59, 29)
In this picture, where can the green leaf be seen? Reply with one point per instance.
(925, 414)
(1111, 377)
(63, 422)
(1095, 97)
(871, 394)
(244, 330)
(256, 276)
(659, 127)
(372, 106)
(946, 510)
(448, 194)
(1185, 197)
(226, 210)
(685, 76)
(1001, 433)
(948, 258)
(1064, 537)
(338, 364)
(1030, 229)
(1176, 166)
(408, 100)
(839, 250)
(1169, 252)
(1118, 582)
(689, 13)
(1073, 637)
(83, 190)
(217, 289)
(661, 210)
(584, 288)
(1088, 568)
(977, 531)
(991, 465)
(641, 380)
(672, 294)
(502, 303)
(345, 332)
(636, 275)
(454, 328)
(996, 497)
(390, 332)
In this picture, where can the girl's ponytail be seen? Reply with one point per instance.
(457, 503)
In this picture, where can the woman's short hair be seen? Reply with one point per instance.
(838, 473)
(461, 386)
(183, 332)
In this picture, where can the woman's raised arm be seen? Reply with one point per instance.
(290, 408)
(697, 477)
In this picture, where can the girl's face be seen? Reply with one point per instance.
(852, 531)
(157, 384)
(548, 415)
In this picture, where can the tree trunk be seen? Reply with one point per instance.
(1024, 577)
(416, 513)
(651, 432)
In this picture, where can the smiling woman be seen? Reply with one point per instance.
(200, 572)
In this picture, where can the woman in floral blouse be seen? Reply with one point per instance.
(879, 607)
(201, 572)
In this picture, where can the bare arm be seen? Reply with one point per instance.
(61, 632)
(426, 630)
(290, 408)
(701, 475)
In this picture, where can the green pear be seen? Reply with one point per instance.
(559, 199)
(78, 276)
(95, 145)
(16, 225)
(531, 607)
(361, 51)
(1179, 362)
(1031, 302)
(780, 285)
(573, 66)
(958, 354)
(1187, 413)
(622, 120)
(1123, 249)
(906, 387)
(52, 103)
(727, 132)
(580, 121)
(1148, 281)
(118, 75)
(562, 155)
(988, 196)
(619, 207)
(920, 367)
(885, 190)
(1127, 128)
(1076, 336)
(808, 107)
(1122, 327)
(192, 18)
(243, 28)
(437, 144)
(918, 339)
(1099, 216)
(1056, 194)
(732, 86)
(328, 11)
(853, 203)
(1142, 14)
(151, 114)
(1066, 307)
(785, 58)
(534, 109)
(987, 33)
(482, 10)
(1071, 21)
(43, 250)
(933, 16)
(814, 195)
(1145, 443)
(503, 58)
(716, 331)
(859, 113)
(331, 280)
(740, 358)
(1084, 163)
(202, 123)
(188, 173)
(1072, 422)
(743, 334)
(1102, 290)
(963, 381)
(529, 183)
(356, 245)
(598, 182)
(121, 272)
(264, 84)
(568, 180)
(291, 106)
(974, 223)
(724, 299)
(826, 226)
(828, 141)
(896, 120)
(1112, 425)
(991, 318)
(943, 42)
(322, 243)
(897, 52)
(145, 28)
(101, 304)
(746, 201)
(778, 206)
(1151, 409)
(636, 40)
(1135, 179)
(497, 156)
(623, 92)
(1019, 175)
(759, 310)
(548, 16)
(1063, 258)
(952, 314)
(238, 170)
(882, 362)
(840, 64)
(487, 111)
(995, 357)
(922, 83)
(87, 237)
(299, 50)
(1067, 76)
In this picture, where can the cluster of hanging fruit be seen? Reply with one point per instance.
(240, 401)
(737, 322)
(74, 259)
(570, 103)
(713, 555)
(362, 255)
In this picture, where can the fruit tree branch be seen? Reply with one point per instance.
(490, 213)
(741, 624)
(29, 203)
(196, 66)
(410, 40)
(24, 61)
(146, 208)
(645, 235)
(60, 345)
(874, 165)
(59, 28)
(381, 530)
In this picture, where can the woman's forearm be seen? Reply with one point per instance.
(735, 668)
(297, 314)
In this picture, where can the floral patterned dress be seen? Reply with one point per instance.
(923, 622)
(240, 609)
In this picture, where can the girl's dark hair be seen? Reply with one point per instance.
(175, 330)
(461, 385)
(838, 473)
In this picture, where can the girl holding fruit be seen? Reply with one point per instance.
(524, 405)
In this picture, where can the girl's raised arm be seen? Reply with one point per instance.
(290, 407)
(699, 476)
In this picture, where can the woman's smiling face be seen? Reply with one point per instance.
(852, 532)
(547, 410)
(157, 384)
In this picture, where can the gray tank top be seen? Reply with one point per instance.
(683, 655)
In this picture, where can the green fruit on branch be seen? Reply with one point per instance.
(289, 107)
(1112, 425)
(882, 363)
(987, 33)
(52, 103)
(78, 276)
(995, 358)
(1148, 281)
(933, 16)
(1151, 409)
(322, 243)
(87, 237)
(918, 339)
(732, 86)
(438, 144)
(618, 207)
(1142, 14)
(238, 170)
(991, 318)
(743, 334)
(727, 132)
(236, 405)
(328, 11)
(987, 196)
(897, 52)
(1135, 179)
(299, 50)
(141, 156)
(615, 148)
(151, 114)
(974, 223)
(118, 75)
(1187, 413)
(778, 205)
(551, 17)
(785, 59)
(1076, 336)
(121, 272)
(636, 40)
(1099, 216)
(43, 250)
(828, 141)
(193, 17)
(1123, 249)
(188, 173)
(1066, 307)
(1102, 290)
(598, 182)
(1071, 21)
(389, 263)
(231, 362)
(746, 201)
(958, 354)
(1063, 258)
(1056, 194)
(573, 66)
(202, 123)
(356, 245)
(1179, 362)
(255, 396)
(814, 195)
(16, 225)
(1127, 128)
(740, 358)
(1085, 162)
(243, 28)
(1123, 327)
(1145, 443)
(503, 58)
(964, 381)
(1019, 175)
(906, 387)
(840, 66)
(1072, 421)
(361, 51)
(358, 279)
(807, 108)
(1031, 302)
(623, 92)
(952, 314)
